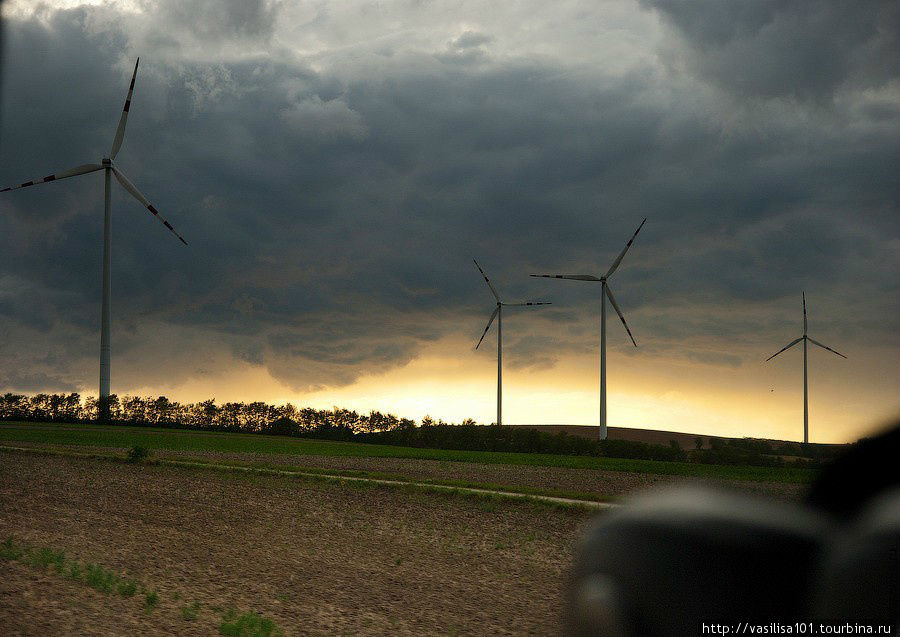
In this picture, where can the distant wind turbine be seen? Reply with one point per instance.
(107, 166)
(604, 294)
(804, 338)
(498, 314)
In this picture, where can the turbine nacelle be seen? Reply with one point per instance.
(603, 280)
(805, 339)
(606, 293)
(497, 309)
(497, 314)
(106, 164)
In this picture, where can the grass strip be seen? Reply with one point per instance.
(98, 577)
(553, 501)
(191, 440)
(402, 485)
(397, 477)
(93, 575)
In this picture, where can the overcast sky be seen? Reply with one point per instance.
(335, 166)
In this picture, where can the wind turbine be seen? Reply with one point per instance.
(108, 167)
(804, 338)
(498, 314)
(604, 294)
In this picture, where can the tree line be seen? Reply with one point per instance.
(380, 428)
(332, 424)
(253, 417)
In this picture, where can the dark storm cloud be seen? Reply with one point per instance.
(333, 211)
(37, 383)
(793, 48)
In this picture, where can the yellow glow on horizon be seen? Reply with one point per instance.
(450, 382)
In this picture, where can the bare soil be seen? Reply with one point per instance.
(317, 558)
(588, 481)
(596, 482)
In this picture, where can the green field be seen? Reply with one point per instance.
(98, 436)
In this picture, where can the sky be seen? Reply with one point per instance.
(336, 166)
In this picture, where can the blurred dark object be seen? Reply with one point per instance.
(858, 576)
(674, 561)
(867, 469)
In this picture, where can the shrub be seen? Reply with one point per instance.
(248, 625)
(9, 550)
(75, 571)
(190, 612)
(138, 454)
(98, 577)
(151, 600)
(283, 427)
(44, 556)
(126, 588)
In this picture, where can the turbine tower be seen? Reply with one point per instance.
(605, 292)
(108, 167)
(498, 314)
(804, 338)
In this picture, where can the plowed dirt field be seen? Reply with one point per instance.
(315, 557)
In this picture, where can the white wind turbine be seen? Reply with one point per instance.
(107, 166)
(498, 314)
(804, 338)
(604, 294)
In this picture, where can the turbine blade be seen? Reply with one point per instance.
(488, 281)
(120, 131)
(573, 277)
(127, 185)
(788, 346)
(527, 303)
(491, 320)
(615, 305)
(72, 172)
(804, 312)
(618, 260)
(826, 347)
